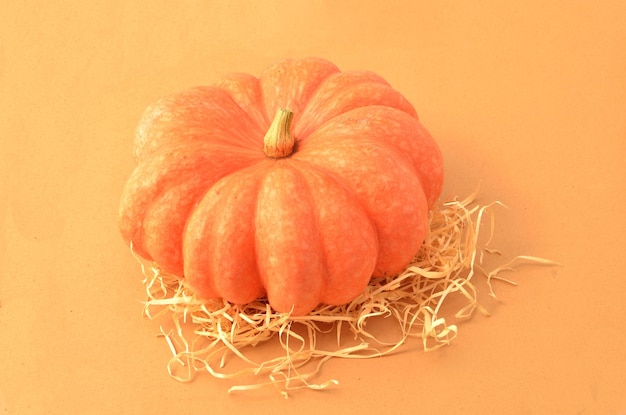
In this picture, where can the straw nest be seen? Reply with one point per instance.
(219, 338)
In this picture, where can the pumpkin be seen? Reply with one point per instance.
(299, 186)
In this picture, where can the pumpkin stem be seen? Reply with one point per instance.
(278, 141)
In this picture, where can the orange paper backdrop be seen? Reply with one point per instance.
(526, 99)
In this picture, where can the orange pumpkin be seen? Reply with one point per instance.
(299, 185)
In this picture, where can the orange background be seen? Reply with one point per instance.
(526, 98)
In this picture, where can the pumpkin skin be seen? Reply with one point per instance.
(206, 203)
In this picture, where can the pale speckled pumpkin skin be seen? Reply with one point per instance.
(351, 202)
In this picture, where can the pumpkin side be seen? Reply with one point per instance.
(315, 243)
(381, 126)
(184, 144)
